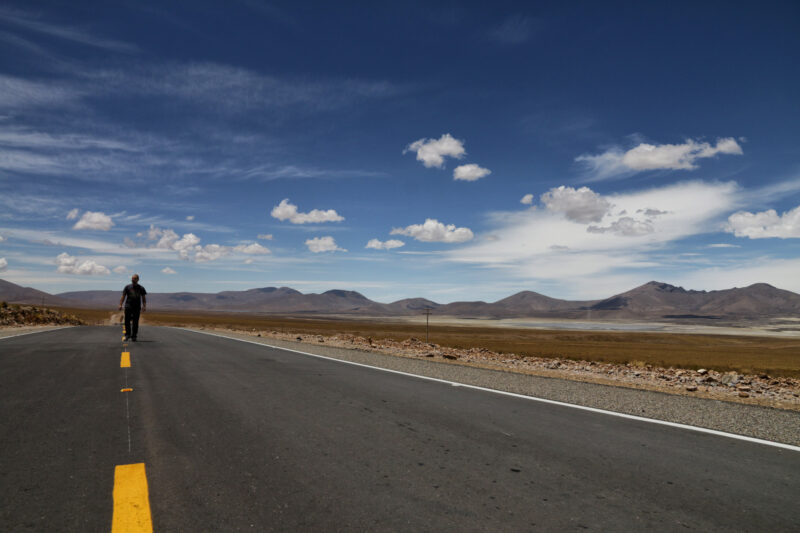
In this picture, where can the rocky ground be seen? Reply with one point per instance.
(773, 391)
(24, 315)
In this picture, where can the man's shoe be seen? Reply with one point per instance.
(133, 339)
(126, 338)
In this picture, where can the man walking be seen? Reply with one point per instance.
(135, 302)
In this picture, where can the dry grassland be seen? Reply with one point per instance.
(775, 356)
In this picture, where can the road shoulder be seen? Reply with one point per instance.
(14, 331)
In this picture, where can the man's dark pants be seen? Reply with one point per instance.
(131, 315)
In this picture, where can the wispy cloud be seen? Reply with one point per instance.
(616, 161)
(555, 244)
(29, 22)
(16, 203)
(229, 89)
(61, 150)
(515, 29)
(27, 138)
(27, 46)
(275, 172)
(58, 239)
(18, 93)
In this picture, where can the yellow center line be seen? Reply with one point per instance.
(131, 500)
(125, 360)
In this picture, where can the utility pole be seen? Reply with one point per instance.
(427, 312)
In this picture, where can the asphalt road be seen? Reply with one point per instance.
(239, 437)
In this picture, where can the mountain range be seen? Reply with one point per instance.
(653, 300)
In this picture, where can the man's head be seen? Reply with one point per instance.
(135, 279)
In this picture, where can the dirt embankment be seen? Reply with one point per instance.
(24, 315)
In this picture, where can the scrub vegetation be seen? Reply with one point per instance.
(775, 356)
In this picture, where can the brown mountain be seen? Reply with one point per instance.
(263, 300)
(521, 304)
(653, 300)
(656, 299)
(411, 306)
(13, 293)
(527, 303)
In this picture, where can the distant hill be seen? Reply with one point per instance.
(12, 293)
(527, 302)
(653, 300)
(656, 299)
(411, 306)
(263, 300)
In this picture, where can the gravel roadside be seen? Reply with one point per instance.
(23, 330)
(777, 425)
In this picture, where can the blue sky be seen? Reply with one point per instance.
(452, 151)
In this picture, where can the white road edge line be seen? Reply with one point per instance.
(32, 332)
(524, 397)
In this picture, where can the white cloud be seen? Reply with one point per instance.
(627, 226)
(527, 199)
(251, 249)
(73, 214)
(676, 156)
(766, 224)
(210, 252)
(654, 157)
(119, 270)
(167, 270)
(265, 236)
(723, 245)
(94, 220)
(544, 245)
(434, 231)
(190, 218)
(287, 211)
(188, 246)
(376, 244)
(3, 264)
(323, 244)
(68, 264)
(169, 240)
(578, 205)
(433, 151)
(185, 244)
(471, 172)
